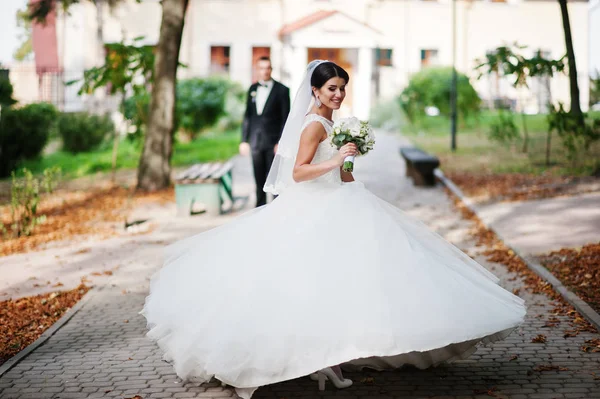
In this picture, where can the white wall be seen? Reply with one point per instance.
(406, 27)
(594, 45)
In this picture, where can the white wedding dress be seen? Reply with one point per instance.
(328, 273)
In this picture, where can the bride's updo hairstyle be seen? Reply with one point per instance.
(326, 71)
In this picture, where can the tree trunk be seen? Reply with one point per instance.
(548, 146)
(575, 104)
(525, 133)
(154, 170)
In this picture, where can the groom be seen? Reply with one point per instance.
(267, 108)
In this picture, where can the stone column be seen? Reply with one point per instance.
(240, 63)
(363, 86)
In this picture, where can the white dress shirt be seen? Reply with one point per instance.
(262, 93)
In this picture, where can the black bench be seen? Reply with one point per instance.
(206, 183)
(420, 166)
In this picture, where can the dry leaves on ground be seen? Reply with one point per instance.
(539, 339)
(22, 321)
(578, 269)
(549, 367)
(101, 213)
(498, 252)
(591, 345)
(489, 392)
(519, 187)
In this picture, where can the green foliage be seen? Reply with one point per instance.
(200, 103)
(6, 92)
(504, 129)
(39, 10)
(82, 132)
(126, 67)
(235, 106)
(509, 61)
(24, 133)
(209, 147)
(136, 109)
(575, 137)
(431, 87)
(25, 198)
(595, 89)
(25, 49)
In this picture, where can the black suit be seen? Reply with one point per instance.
(263, 131)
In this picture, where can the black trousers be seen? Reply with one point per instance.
(261, 162)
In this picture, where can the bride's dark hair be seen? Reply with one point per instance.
(326, 71)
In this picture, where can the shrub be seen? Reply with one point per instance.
(504, 129)
(24, 133)
(82, 132)
(200, 103)
(431, 87)
(6, 92)
(235, 106)
(25, 198)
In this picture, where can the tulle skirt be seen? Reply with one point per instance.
(325, 274)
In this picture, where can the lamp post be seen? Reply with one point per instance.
(453, 91)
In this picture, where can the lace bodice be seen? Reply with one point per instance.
(325, 150)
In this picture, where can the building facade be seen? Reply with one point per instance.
(380, 42)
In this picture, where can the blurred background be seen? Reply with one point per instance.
(510, 57)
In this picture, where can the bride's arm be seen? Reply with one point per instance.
(309, 141)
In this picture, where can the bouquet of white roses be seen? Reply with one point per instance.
(353, 130)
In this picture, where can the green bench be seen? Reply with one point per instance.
(208, 184)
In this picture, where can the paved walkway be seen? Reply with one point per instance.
(541, 226)
(102, 352)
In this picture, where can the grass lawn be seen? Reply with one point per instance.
(476, 153)
(206, 148)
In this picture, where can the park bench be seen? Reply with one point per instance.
(420, 165)
(208, 184)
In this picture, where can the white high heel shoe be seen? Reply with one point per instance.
(328, 374)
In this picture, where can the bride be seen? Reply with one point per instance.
(344, 277)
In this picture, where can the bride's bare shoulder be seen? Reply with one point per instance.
(314, 131)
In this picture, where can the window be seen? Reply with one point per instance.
(219, 59)
(331, 54)
(429, 57)
(258, 52)
(383, 57)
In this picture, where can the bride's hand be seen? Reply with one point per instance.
(346, 150)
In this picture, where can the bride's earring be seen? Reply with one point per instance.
(318, 102)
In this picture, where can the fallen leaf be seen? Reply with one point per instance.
(488, 392)
(549, 367)
(591, 346)
(40, 312)
(539, 339)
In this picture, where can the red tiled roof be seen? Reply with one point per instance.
(305, 21)
(316, 17)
